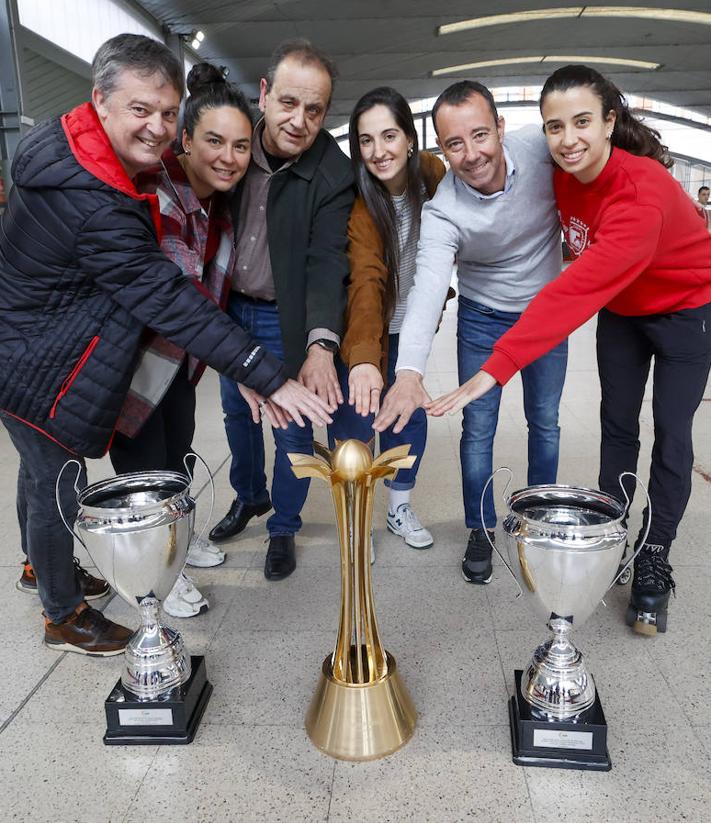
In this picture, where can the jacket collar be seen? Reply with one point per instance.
(179, 182)
(305, 164)
(92, 149)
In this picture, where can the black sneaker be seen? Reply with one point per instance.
(476, 565)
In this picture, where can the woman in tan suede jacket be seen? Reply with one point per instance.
(394, 180)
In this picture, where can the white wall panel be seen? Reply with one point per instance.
(50, 89)
(81, 26)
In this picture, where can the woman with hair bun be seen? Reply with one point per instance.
(157, 423)
(642, 259)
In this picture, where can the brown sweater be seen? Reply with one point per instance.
(366, 337)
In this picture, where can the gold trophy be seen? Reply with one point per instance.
(361, 709)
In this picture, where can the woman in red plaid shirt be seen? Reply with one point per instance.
(157, 423)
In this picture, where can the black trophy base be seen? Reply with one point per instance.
(559, 744)
(172, 721)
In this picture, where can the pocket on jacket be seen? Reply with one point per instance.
(73, 374)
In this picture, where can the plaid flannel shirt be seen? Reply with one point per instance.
(184, 224)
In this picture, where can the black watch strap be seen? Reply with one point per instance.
(325, 343)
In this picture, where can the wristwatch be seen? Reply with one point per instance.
(329, 345)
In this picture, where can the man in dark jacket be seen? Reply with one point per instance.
(289, 282)
(81, 274)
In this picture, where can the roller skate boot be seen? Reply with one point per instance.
(651, 587)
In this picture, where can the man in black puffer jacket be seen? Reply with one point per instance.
(81, 275)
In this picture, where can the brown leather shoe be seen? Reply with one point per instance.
(86, 631)
(92, 587)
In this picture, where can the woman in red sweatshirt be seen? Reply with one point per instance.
(642, 259)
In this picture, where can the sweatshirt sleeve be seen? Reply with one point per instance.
(436, 253)
(624, 246)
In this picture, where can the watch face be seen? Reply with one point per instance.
(329, 345)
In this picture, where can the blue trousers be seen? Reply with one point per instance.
(478, 328)
(347, 423)
(245, 438)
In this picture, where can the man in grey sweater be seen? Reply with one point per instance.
(494, 215)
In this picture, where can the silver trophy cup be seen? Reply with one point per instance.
(137, 528)
(564, 546)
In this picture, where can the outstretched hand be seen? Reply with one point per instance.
(454, 401)
(405, 396)
(365, 382)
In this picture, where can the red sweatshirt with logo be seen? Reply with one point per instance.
(639, 246)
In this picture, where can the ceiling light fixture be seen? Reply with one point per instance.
(194, 37)
(637, 12)
(549, 58)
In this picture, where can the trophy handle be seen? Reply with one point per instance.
(627, 510)
(76, 489)
(486, 531)
(212, 487)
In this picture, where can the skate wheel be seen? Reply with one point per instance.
(647, 629)
(624, 578)
(631, 615)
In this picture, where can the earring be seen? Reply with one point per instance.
(410, 151)
(186, 151)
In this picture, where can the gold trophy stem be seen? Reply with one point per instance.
(361, 709)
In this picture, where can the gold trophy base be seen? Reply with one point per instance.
(360, 721)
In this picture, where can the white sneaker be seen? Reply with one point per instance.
(203, 554)
(405, 523)
(184, 599)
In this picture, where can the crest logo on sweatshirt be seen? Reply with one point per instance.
(576, 235)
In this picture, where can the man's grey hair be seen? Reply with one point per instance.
(306, 54)
(135, 53)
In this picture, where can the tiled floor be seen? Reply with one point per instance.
(457, 646)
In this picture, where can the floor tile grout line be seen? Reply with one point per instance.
(43, 679)
(140, 784)
(33, 691)
(330, 794)
(503, 672)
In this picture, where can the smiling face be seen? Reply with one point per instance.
(295, 107)
(578, 133)
(471, 140)
(217, 155)
(384, 147)
(139, 117)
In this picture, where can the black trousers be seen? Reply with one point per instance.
(680, 344)
(166, 436)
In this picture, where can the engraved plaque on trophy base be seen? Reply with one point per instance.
(169, 721)
(558, 744)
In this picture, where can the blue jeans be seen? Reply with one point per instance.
(478, 328)
(45, 539)
(245, 438)
(347, 423)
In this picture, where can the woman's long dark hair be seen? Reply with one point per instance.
(376, 196)
(629, 133)
(208, 89)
